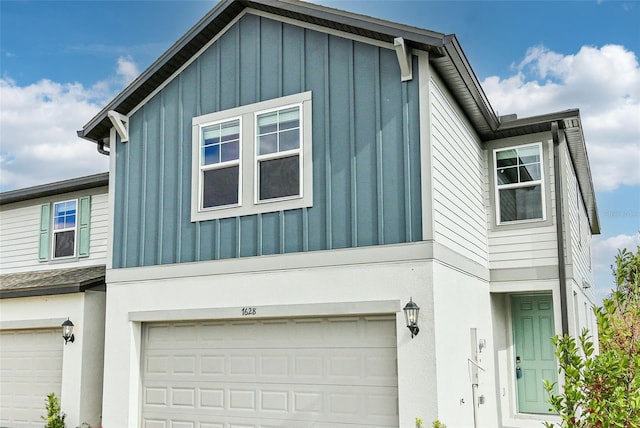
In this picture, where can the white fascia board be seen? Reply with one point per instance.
(404, 59)
(120, 123)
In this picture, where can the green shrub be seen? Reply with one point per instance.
(604, 390)
(55, 417)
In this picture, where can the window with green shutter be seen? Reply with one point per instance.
(65, 229)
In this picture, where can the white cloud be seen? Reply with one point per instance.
(38, 125)
(604, 83)
(605, 249)
(127, 69)
(604, 254)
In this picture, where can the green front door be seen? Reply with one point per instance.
(533, 329)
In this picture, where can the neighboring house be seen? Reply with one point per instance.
(285, 179)
(53, 243)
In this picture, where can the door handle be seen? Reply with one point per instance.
(518, 368)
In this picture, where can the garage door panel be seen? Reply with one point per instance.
(331, 366)
(306, 372)
(256, 404)
(260, 334)
(30, 368)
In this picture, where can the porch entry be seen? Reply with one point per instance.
(533, 328)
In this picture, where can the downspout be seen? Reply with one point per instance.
(562, 276)
(101, 149)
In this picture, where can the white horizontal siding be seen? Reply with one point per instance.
(457, 174)
(19, 230)
(528, 244)
(578, 232)
(20, 227)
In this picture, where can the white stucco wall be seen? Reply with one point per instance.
(461, 303)
(81, 397)
(330, 289)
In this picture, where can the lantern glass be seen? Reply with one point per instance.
(411, 311)
(67, 331)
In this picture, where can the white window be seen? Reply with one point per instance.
(278, 154)
(64, 229)
(220, 164)
(519, 184)
(252, 159)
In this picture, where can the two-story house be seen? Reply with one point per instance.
(288, 178)
(53, 248)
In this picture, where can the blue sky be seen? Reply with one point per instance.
(61, 61)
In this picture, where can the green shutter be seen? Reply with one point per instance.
(45, 225)
(83, 226)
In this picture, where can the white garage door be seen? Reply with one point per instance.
(30, 368)
(310, 372)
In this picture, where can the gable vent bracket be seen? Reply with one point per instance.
(404, 59)
(121, 123)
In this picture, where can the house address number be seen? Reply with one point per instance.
(248, 311)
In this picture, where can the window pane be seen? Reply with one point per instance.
(530, 172)
(211, 134)
(230, 130)
(58, 222)
(230, 151)
(220, 187)
(529, 154)
(268, 123)
(64, 244)
(267, 144)
(211, 155)
(70, 221)
(521, 204)
(506, 158)
(279, 131)
(507, 175)
(289, 118)
(64, 215)
(214, 136)
(279, 177)
(289, 140)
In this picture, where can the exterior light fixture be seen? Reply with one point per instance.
(67, 332)
(411, 311)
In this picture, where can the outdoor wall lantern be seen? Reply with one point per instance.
(67, 331)
(411, 311)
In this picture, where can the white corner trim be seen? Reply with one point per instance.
(120, 123)
(404, 59)
(426, 166)
(271, 311)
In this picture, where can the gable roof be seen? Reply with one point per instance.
(446, 57)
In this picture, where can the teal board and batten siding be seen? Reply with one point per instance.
(366, 175)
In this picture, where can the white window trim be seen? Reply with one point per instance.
(202, 168)
(248, 203)
(54, 231)
(498, 187)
